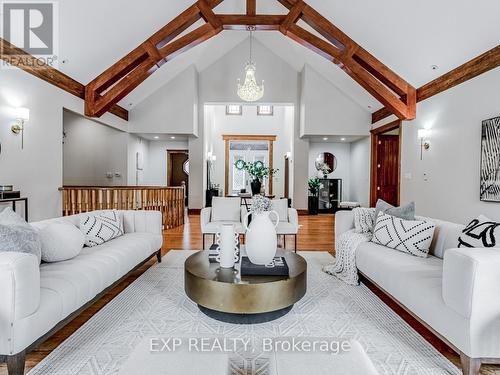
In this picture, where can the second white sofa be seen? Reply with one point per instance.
(455, 291)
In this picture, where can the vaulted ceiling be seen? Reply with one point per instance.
(407, 36)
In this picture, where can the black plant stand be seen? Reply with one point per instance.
(312, 205)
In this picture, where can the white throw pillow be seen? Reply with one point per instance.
(364, 219)
(409, 236)
(226, 209)
(281, 207)
(480, 232)
(60, 241)
(100, 227)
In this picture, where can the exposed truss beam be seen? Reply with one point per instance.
(30, 64)
(380, 81)
(477, 66)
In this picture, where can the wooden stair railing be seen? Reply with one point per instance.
(170, 201)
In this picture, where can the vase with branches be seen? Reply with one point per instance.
(258, 172)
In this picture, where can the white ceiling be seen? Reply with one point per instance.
(408, 36)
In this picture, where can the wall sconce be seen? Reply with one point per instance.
(22, 115)
(423, 135)
(288, 155)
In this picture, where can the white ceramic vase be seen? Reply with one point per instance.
(227, 239)
(260, 240)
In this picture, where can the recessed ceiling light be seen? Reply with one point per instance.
(325, 139)
(434, 67)
(342, 139)
(172, 137)
(156, 137)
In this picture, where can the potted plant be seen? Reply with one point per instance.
(257, 171)
(314, 186)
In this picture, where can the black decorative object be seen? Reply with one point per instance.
(490, 160)
(256, 185)
(312, 205)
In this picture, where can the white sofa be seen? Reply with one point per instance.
(36, 298)
(454, 292)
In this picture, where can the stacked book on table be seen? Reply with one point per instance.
(278, 267)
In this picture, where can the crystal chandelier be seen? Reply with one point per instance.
(250, 91)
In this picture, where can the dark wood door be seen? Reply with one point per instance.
(177, 175)
(388, 168)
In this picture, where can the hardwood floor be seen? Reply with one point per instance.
(316, 233)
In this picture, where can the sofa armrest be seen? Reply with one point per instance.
(20, 291)
(471, 284)
(144, 221)
(344, 221)
(205, 215)
(293, 217)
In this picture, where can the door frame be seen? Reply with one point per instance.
(228, 138)
(169, 163)
(375, 133)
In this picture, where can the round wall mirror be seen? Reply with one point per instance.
(326, 163)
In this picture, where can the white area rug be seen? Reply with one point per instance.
(155, 305)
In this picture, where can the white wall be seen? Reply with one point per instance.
(91, 151)
(451, 189)
(157, 160)
(328, 111)
(217, 84)
(360, 171)
(137, 144)
(342, 151)
(250, 124)
(173, 109)
(36, 170)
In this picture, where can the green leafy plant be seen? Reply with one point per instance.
(314, 186)
(257, 170)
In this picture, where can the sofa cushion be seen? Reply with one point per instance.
(445, 236)
(281, 207)
(480, 232)
(17, 235)
(226, 209)
(406, 211)
(410, 236)
(60, 241)
(101, 227)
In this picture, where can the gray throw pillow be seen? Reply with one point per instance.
(406, 212)
(16, 235)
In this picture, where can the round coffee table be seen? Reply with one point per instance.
(225, 295)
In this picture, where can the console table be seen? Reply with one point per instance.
(13, 201)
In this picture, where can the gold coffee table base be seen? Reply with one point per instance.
(224, 295)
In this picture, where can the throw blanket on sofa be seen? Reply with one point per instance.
(344, 267)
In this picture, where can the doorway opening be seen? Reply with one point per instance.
(178, 170)
(386, 163)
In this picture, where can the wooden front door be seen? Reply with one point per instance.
(388, 168)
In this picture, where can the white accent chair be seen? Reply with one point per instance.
(288, 220)
(37, 300)
(454, 292)
(223, 211)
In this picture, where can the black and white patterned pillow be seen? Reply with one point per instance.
(364, 219)
(480, 232)
(409, 236)
(101, 227)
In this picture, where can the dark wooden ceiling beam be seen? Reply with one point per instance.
(129, 72)
(251, 7)
(471, 69)
(208, 15)
(241, 22)
(19, 58)
(375, 77)
(292, 17)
